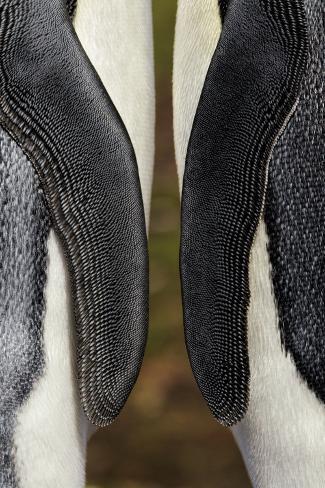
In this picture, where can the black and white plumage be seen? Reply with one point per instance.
(24, 230)
(294, 215)
(281, 416)
(46, 441)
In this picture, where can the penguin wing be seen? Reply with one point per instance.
(249, 93)
(55, 107)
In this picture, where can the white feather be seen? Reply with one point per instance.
(198, 27)
(282, 436)
(51, 434)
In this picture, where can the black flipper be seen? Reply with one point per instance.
(250, 90)
(55, 107)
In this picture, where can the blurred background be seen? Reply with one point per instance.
(165, 436)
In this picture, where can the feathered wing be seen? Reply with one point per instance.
(282, 421)
(70, 161)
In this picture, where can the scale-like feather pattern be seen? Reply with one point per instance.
(54, 105)
(250, 90)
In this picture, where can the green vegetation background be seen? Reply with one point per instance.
(165, 436)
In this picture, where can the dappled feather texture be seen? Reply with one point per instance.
(55, 107)
(71, 5)
(250, 89)
(295, 216)
(24, 228)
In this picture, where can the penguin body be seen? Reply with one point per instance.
(279, 420)
(44, 441)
